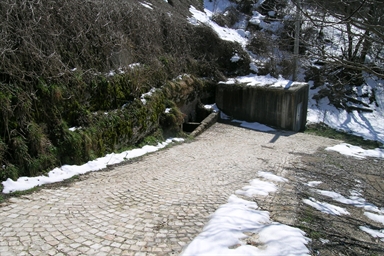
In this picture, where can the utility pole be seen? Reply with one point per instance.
(297, 41)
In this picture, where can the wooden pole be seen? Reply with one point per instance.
(297, 42)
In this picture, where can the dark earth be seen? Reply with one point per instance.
(332, 234)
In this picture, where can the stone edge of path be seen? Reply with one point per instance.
(206, 123)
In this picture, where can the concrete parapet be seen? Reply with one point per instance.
(284, 108)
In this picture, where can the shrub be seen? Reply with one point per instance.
(67, 63)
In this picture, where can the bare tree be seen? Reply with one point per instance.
(350, 34)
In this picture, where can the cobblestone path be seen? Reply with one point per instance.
(156, 205)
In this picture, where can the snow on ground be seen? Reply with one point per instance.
(134, 65)
(257, 187)
(364, 124)
(217, 6)
(146, 95)
(367, 125)
(314, 183)
(373, 232)
(356, 200)
(235, 58)
(258, 19)
(226, 232)
(253, 125)
(211, 107)
(272, 177)
(250, 125)
(227, 34)
(325, 207)
(72, 129)
(375, 217)
(264, 81)
(68, 171)
(231, 221)
(355, 151)
(147, 5)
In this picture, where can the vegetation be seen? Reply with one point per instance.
(345, 40)
(85, 65)
(340, 45)
(325, 131)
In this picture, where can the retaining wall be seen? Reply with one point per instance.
(284, 108)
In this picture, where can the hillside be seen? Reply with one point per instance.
(74, 75)
(80, 79)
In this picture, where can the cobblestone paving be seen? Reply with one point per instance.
(154, 206)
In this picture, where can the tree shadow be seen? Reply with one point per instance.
(276, 131)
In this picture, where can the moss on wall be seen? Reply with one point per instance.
(106, 115)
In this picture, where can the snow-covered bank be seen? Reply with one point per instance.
(228, 34)
(364, 124)
(367, 125)
(67, 171)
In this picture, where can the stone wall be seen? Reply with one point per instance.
(278, 107)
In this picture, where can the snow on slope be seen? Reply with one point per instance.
(228, 34)
(367, 125)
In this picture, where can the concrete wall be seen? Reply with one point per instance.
(279, 107)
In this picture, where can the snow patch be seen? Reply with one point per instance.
(258, 20)
(72, 129)
(355, 200)
(147, 5)
(254, 126)
(250, 125)
(226, 34)
(355, 151)
(134, 65)
(217, 6)
(263, 81)
(314, 183)
(253, 67)
(225, 233)
(325, 207)
(373, 232)
(147, 95)
(257, 187)
(68, 171)
(363, 124)
(235, 58)
(272, 177)
(375, 217)
(339, 198)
